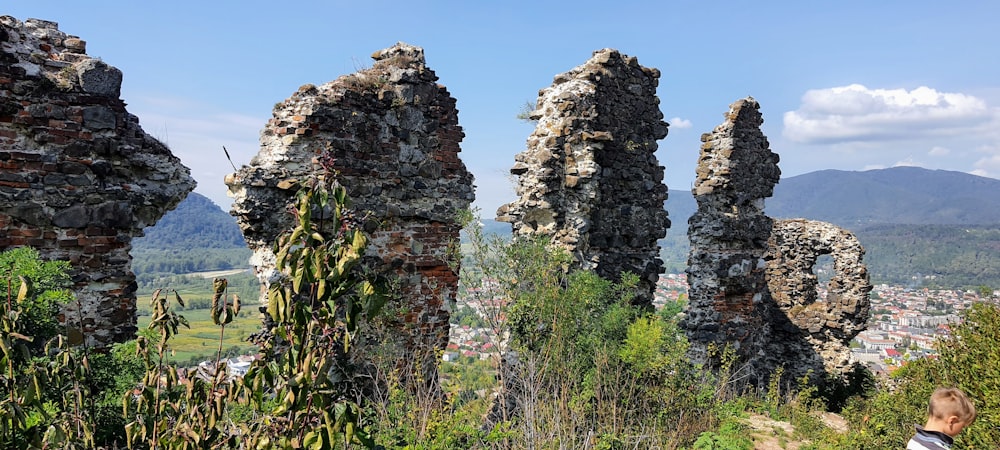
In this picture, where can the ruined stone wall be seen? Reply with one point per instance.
(589, 177)
(828, 324)
(78, 176)
(394, 136)
(751, 280)
(728, 300)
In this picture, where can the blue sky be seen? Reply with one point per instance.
(851, 85)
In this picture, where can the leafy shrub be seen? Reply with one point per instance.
(730, 436)
(300, 395)
(47, 284)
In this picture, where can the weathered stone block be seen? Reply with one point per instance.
(393, 137)
(589, 177)
(44, 144)
(98, 78)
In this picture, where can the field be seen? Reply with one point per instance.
(201, 341)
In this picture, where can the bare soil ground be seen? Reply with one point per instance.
(770, 434)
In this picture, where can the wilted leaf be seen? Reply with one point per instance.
(22, 292)
(21, 336)
(218, 303)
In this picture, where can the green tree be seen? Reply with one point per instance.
(46, 398)
(48, 284)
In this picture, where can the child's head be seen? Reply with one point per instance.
(950, 411)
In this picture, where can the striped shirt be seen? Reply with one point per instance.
(929, 440)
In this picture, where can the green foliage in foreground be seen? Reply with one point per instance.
(47, 290)
(298, 396)
(54, 394)
(591, 372)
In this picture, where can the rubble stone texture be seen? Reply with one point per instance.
(728, 298)
(829, 324)
(589, 177)
(751, 280)
(394, 136)
(78, 176)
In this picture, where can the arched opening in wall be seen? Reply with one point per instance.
(824, 271)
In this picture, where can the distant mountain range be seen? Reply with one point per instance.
(900, 195)
(854, 200)
(919, 226)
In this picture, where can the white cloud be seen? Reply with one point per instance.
(678, 123)
(988, 166)
(937, 150)
(989, 149)
(857, 113)
(908, 162)
(198, 141)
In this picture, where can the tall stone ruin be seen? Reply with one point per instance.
(78, 176)
(393, 134)
(751, 281)
(728, 297)
(589, 177)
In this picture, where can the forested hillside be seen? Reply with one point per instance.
(196, 237)
(920, 227)
(933, 255)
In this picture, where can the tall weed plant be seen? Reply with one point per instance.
(577, 365)
(303, 392)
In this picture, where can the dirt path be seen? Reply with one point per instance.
(770, 434)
